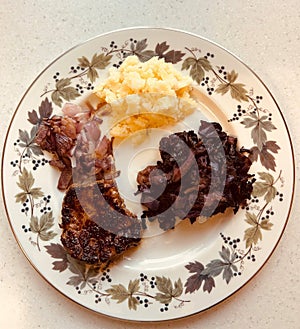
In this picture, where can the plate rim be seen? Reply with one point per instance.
(170, 29)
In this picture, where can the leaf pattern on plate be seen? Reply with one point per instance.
(267, 159)
(91, 279)
(237, 90)
(42, 227)
(260, 126)
(156, 288)
(25, 183)
(171, 56)
(63, 91)
(195, 281)
(100, 62)
(197, 67)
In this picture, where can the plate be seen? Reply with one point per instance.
(176, 273)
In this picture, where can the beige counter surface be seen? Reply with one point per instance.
(264, 34)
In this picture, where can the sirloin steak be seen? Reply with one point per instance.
(96, 225)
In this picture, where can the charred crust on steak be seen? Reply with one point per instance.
(96, 225)
(213, 151)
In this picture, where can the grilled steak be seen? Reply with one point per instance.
(96, 224)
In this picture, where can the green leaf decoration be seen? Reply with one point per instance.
(36, 192)
(42, 226)
(258, 136)
(167, 290)
(64, 91)
(265, 187)
(238, 92)
(197, 67)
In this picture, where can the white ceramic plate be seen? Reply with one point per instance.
(163, 279)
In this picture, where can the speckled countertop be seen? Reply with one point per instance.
(264, 34)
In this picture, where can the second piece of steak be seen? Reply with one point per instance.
(96, 224)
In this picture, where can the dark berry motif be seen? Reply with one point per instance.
(280, 196)
(26, 229)
(205, 81)
(46, 208)
(209, 55)
(143, 277)
(231, 242)
(56, 76)
(258, 99)
(89, 86)
(165, 308)
(75, 69)
(14, 163)
(142, 301)
(97, 298)
(79, 88)
(106, 277)
(40, 162)
(221, 70)
(238, 114)
(117, 65)
(251, 257)
(209, 90)
(152, 282)
(113, 45)
(25, 207)
(237, 273)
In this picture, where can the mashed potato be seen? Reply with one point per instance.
(145, 95)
